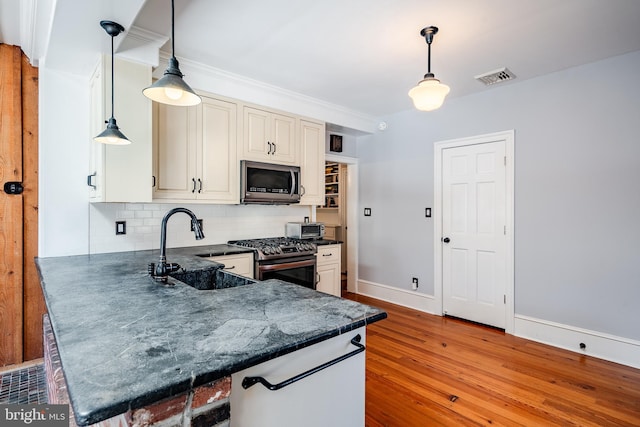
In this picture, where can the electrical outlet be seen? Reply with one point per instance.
(121, 227)
(199, 223)
(414, 283)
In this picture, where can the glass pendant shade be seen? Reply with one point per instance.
(112, 135)
(429, 94)
(172, 89)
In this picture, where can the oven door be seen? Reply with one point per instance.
(299, 270)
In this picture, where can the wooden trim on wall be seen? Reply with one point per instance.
(34, 306)
(10, 206)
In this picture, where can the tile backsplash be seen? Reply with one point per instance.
(221, 223)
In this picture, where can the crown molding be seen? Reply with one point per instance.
(326, 111)
(141, 45)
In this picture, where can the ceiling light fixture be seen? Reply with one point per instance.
(112, 135)
(429, 94)
(171, 89)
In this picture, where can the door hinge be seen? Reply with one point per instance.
(504, 298)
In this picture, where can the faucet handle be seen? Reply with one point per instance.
(172, 266)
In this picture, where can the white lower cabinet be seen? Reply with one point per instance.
(328, 268)
(331, 397)
(240, 264)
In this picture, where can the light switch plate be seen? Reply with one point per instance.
(367, 211)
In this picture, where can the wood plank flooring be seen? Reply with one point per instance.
(425, 370)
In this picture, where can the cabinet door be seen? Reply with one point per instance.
(217, 174)
(312, 162)
(97, 116)
(329, 279)
(257, 134)
(269, 137)
(283, 138)
(123, 173)
(174, 152)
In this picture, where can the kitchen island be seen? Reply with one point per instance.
(127, 342)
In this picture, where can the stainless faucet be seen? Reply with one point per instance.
(160, 271)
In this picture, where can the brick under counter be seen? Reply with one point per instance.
(203, 406)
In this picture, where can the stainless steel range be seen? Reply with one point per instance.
(288, 259)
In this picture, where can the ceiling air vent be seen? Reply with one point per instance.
(496, 76)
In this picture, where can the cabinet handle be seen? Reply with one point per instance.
(318, 278)
(90, 181)
(250, 381)
(269, 152)
(230, 268)
(303, 190)
(274, 148)
(154, 180)
(200, 185)
(329, 254)
(193, 190)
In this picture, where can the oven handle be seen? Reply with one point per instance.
(288, 265)
(250, 381)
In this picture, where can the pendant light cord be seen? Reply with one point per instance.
(429, 58)
(113, 89)
(173, 39)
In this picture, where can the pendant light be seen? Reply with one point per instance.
(429, 94)
(112, 135)
(171, 89)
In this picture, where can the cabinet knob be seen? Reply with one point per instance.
(446, 240)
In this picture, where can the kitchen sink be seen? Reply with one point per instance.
(211, 278)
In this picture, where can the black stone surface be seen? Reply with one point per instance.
(126, 341)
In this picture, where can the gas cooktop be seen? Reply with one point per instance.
(278, 247)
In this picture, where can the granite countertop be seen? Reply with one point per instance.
(126, 341)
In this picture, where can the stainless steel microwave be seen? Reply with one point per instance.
(270, 184)
(304, 230)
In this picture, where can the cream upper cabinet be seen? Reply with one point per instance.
(312, 162)
(268, 137)
(121, 173)
(329, 257)
(194, 154)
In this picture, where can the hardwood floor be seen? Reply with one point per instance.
(425, 370)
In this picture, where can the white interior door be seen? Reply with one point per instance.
(474, 232)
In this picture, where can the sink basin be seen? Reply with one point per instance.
(211, 278)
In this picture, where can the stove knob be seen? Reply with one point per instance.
(266, 250)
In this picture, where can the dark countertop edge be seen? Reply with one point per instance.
(323, 242)
(185, 386)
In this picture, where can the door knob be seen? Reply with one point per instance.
(446, 240)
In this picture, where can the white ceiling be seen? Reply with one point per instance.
(360, 54)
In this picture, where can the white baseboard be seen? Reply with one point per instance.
(411, 299)
(604, 346)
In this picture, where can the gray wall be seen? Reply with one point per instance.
(577, 192)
